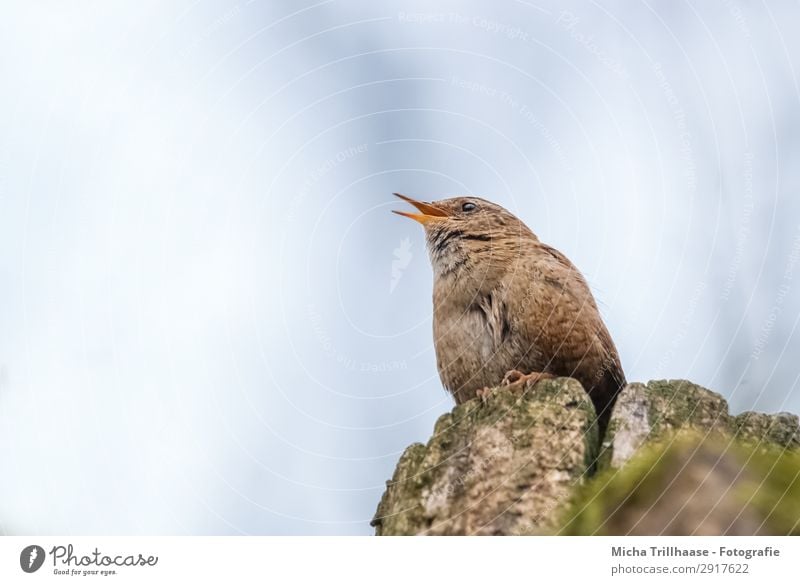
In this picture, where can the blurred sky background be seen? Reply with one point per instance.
(210, 323)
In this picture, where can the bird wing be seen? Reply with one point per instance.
(558, 317)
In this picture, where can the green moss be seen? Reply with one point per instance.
(755, 427)
(492, 450)
(588, 509)
(775, 488)
(648, 413)
(676, 403)
(695, 468)
(767, 484)
(407, 479)
(443, 424)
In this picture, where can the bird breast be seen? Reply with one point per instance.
(471, 340)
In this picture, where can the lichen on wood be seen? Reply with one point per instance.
(673, 461)
(499, 466)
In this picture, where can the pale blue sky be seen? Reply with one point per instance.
(201, 330)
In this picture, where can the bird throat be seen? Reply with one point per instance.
(468, 263)
(449, 252)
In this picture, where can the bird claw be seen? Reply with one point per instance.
(511, 377)
(517, 377)
(483, 394)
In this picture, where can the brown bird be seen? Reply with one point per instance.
(508, 309)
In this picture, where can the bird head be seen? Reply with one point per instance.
(463, 230)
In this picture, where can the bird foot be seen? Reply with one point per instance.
(517, 377)
(483, 394)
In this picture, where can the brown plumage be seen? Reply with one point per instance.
(508, 308)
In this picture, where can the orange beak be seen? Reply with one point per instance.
(429, 212)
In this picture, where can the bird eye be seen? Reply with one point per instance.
(468, 206)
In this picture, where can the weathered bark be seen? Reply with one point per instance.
(649, 413)
(674, 461)
(499, 466)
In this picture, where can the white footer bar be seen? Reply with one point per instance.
(377, 561)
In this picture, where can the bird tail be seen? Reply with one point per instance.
(604, 396)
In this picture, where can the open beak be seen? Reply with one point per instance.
(429, 212)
